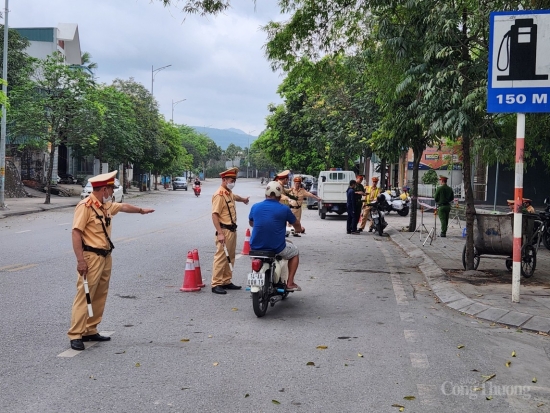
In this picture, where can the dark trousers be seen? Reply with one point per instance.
(443, 212)
(351, 221)
(356, 216)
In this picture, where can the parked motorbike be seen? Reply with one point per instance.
(197, 190)
(66, 179)
(377, 212)
(395, 203)
(545, 217)
(267, 281)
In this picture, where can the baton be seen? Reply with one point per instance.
(88, 300)
(227, 255)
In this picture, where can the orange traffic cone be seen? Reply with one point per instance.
(246, 246)
(189, 278)
(198, 275)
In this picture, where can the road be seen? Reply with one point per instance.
(364, 334)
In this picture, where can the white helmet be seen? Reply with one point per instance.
(273, 187)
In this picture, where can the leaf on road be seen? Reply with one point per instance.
(477, 389)
(184, 340)
(493, 324)
(138, 365)
(397, 405)
(210, 336)
(540, 404)
(534, 380)
(460, 346)
(310, 363)
(185, 388)
(246, 395)
(215, 363)
(234, 309)
(474, 370)
(487, 378)
(489, 398)
(359, 355)
(121, 352)
(345, 365)
(508, 363)
(275, 401)
(519, 330)
(322, 347)
(513, 354)
(409, 398)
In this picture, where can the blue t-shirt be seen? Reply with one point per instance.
(269, 230)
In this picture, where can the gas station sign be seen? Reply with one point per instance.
(519, 62)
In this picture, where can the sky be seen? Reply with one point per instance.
(217, 63)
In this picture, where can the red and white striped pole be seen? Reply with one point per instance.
(518, 203)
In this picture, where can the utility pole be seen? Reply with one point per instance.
(153, 72)
(3, 127)
(174, 104)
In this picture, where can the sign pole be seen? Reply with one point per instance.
(518, 204)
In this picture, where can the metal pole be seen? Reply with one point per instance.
(496, 187)
(518, 197)
(174, 104)
(3, 127)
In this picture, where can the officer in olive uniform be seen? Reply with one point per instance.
(443, 197)
(91, 236)
(297, 197)
(224, 217)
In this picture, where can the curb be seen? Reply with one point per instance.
(458, 301)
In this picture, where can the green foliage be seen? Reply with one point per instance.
(430, 177)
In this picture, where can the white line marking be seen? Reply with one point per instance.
(427, 394)
(411, 336)
(406, 317)
(20, 232)
(419, 360)
(71, 353)
(398, 289)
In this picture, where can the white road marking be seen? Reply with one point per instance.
(406, 317)
(419, 360)
(20, 232)
(71, 353)
(397, 284)
(411, 336)
(427, 394)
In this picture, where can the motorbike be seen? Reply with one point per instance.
(395, 203)
(197, 190)
(545, 217)
(377, 212)
(66, 179)
(267, 281)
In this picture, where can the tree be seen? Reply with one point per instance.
(51, 107)
(19, 62)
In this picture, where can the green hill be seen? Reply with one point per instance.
(225, 137)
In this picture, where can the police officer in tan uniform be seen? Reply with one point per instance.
(298, 195)
(371, 193)
(91, 236)
(224, 217)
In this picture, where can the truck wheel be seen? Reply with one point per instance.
(323, 213)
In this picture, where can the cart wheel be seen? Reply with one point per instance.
(528, 260)
(476, 258)
(509, 264)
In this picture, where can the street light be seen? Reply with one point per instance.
(174, 104)
(153, 71)
(3, 126)
(248, 156)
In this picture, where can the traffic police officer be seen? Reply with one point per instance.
(372, 193)
(224, 217)
(298, 195)
(91, 237)
(443, 197)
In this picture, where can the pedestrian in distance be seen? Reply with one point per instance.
(268, 220)
(92, 245)
(350, 206)
(443, 197)
(224, 218)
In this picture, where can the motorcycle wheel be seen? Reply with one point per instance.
(260, 300)
(403, 212)
(379, 228)
(546, 239)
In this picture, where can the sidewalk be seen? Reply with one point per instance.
(485, 293)
(35, 203)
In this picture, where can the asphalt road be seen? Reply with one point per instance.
(383, 335)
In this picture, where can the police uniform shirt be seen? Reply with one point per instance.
(221, 201)
(301, 194)
(85, 220)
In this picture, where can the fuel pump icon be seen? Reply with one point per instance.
(521, 52)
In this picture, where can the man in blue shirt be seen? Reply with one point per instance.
(268, 221)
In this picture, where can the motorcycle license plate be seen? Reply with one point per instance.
(374, 214)
(255, 279)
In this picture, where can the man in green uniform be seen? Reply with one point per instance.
(443, 197)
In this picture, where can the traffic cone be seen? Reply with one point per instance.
(246, 246)
(198, 275)
(189, 278)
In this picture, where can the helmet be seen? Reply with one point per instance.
(273, 187)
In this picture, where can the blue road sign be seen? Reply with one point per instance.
(519, 62)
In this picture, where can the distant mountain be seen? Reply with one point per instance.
(225, 137)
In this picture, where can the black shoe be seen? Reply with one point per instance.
(218, 290)
(77, 344)
(349, 232)
(95, 337)
(360, 230)
(231, 286)
(443, 235)
(355, 232)
(371, 229)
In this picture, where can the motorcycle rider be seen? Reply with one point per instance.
(197, 181)
(268, 220)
